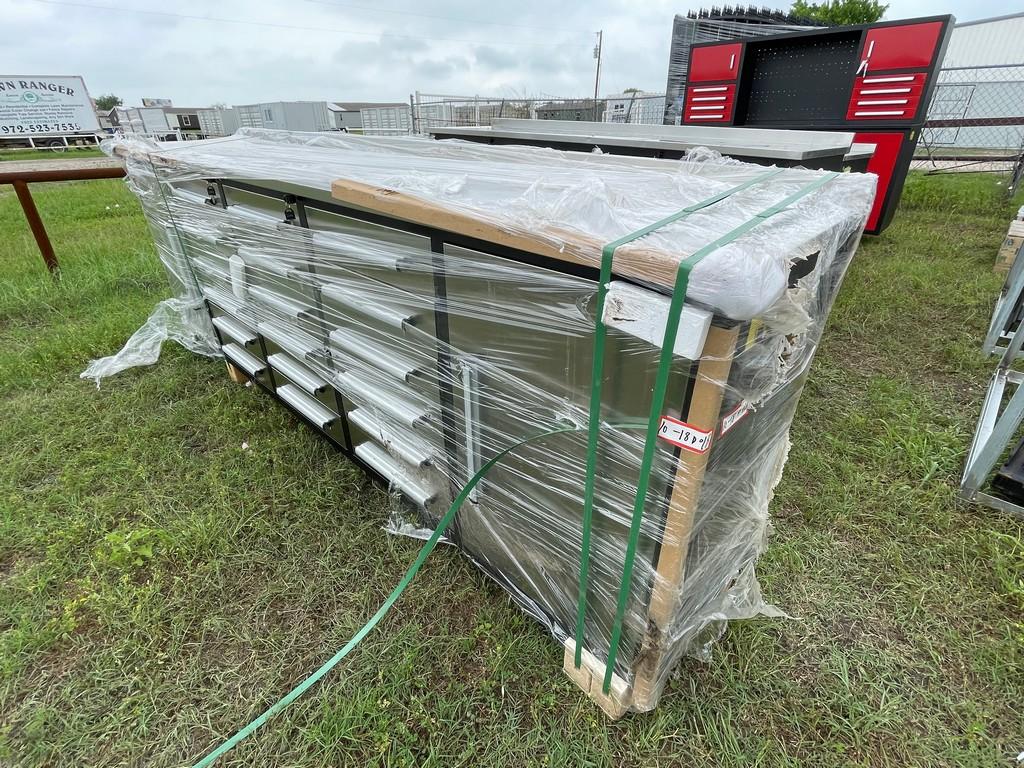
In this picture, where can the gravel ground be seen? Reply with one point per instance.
(963, 166)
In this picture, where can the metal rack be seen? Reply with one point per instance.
(999, 423)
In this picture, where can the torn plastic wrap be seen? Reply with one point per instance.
(426, 304)
(183, 318)
(698, 28)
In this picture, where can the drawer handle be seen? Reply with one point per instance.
(385, 465)
(251, 364)
(296, 343)
(229, 327)
(370, 308)
(892, 79)
(380, 359)
(309, 407)
(224, 301)
(880, 113)
(407, 446)
(306, 380)
(275, 302)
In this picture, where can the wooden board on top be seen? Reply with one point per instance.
(632, 260)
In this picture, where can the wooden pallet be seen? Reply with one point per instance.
(236, 374)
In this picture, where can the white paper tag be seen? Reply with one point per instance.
(732, 418)
(684, 435)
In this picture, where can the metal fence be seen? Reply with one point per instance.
(975, 119)
(976, 114)
(429, 111)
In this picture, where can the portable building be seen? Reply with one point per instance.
(393, 119)
(348, 115)
(287, 116)
(218, 121)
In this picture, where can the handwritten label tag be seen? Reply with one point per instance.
(732, 418)
(684, 435)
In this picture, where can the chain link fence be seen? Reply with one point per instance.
(975, 122)
(975, 119)
(430, 111)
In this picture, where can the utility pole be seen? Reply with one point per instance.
(597, 74)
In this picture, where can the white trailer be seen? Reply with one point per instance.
(54, 112)
(286, 115)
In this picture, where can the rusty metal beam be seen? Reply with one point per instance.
(36, 225)
(21, 179)
(68, 174)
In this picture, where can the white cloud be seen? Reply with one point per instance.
(354, 49)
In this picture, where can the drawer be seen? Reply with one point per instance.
(901, 46)
(323, 417)
(714, 62)
(232, 325)
(361, 304)
(886, 97)
(709, 103)
(362, 350)
(405, 444)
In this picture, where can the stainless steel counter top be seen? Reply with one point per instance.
(748, 142)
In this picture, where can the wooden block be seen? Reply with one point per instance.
(582, 676)
(236, 374)
(637, 260)
(590, 678)
(1010, 248)
(617, 701)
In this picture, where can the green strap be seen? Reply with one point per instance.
(658, 400)
(597, 376)
(410, 574)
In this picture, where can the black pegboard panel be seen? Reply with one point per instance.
(801, 80)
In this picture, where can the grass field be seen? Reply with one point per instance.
(48, 154)
(161, 583)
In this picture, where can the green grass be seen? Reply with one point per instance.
(161, 583)
(48, 154)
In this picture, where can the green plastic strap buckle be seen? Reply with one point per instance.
(658, 400)
(597, 376)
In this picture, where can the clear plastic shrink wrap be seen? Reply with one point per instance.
(699, 28)
(426, 304)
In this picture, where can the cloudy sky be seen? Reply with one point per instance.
(242, 51)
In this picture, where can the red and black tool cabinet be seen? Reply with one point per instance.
(873, 79)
